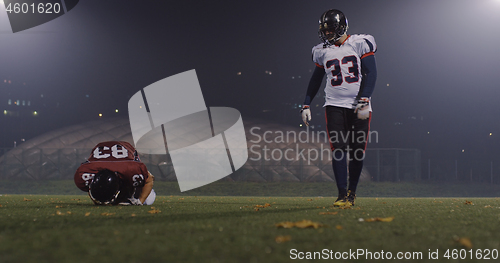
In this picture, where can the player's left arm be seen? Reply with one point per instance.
(369, 72)
(366, 48)
(146, 189)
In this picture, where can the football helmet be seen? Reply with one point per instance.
(105, 187)
(332, 26)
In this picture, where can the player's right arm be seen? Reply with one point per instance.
(312, 90)
(314, 82)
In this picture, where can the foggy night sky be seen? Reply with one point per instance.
(440, 58)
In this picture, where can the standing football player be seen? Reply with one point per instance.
(114, 174)
(349, 64)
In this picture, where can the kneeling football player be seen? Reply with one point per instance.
(114, 174)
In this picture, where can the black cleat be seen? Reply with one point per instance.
(350, 197)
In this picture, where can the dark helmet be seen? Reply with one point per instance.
(105, 187)
(332, 26)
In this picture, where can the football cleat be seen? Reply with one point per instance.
(342, 201)
(351, 196)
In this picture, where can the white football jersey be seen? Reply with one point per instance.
(342, 65)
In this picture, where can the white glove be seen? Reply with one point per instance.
(135, 201)
(306, 115)
(363, 108)
(131, 201)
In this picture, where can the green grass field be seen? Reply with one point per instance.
(69, 228)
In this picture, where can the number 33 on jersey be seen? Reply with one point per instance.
(342, 66)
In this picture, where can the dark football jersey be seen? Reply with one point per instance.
(117, 156)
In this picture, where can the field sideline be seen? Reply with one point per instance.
(69, 228)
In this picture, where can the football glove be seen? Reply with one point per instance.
(306, 114)
(135, 201)
(362, 108)
(131, 201)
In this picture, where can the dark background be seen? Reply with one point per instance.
(438, 65)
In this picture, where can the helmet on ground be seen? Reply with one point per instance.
(332, 26)
(105, 187)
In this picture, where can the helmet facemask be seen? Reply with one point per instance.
(332, 26)
(105, 187)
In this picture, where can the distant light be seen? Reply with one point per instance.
(491, 133)
(35, 113)
(387, 84)
(428, 132)
(5, 112)
(463, 150)
(300, 125)
(100, 114)
(239, 73)
(116, 110)
(140, 107)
